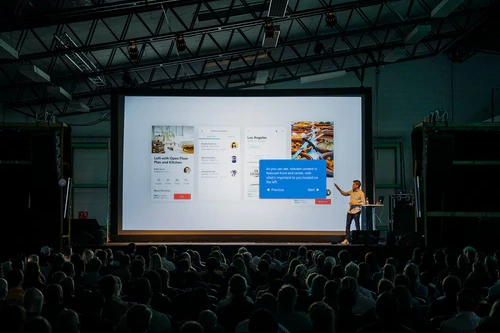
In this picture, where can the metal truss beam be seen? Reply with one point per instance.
(227, 72)
(223, 73)
(89, 13)
(157, 37)
(478, 37)
(171, 59)
(199, 85)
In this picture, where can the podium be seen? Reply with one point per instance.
(369, 216)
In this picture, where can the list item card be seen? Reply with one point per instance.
(261, 143)
(220, 165)
(172, 154)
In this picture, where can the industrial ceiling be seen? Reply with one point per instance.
(65, 57)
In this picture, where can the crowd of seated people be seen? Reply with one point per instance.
(301, 291)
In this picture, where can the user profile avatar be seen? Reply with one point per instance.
(187, 170)
(233, 173)
(234, 145)
(233, 159)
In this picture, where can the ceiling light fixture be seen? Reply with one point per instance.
(133, 52)
(269, 30)
(127, 80)
(331, 19)
(318, 48)
(180, 43)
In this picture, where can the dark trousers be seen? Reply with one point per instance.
(348, 222)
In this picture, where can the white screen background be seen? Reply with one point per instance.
(139, 212)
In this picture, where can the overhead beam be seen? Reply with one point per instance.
(477, 37)
(34, 73)
(195, 58)
(129, 68)
(7, 51)
(197, 31)
(59, 93)
(89, 13)
(419, 33)
(236, 11)
(187, 80)
(323, 76)
(266, 66)
(445, 8)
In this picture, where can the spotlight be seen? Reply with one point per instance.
(133, 52)
(330, 19)
(269, 30)
(127, 80)
(181, 43)
(318, 48)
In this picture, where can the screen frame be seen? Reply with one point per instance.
(116, 191)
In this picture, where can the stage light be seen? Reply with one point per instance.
(133, 52)
(180, 43)
(330, 19)
(318, 48)
(127, 80)
(269, 30)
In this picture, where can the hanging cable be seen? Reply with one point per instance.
(103, 117)
(452, 84)
(377, 83)
(165, 13)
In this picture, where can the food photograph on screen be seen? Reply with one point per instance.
(313, 140)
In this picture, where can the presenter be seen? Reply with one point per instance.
(356, 201)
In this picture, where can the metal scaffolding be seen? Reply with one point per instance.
(422, 172)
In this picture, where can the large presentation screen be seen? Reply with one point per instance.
(217, 163)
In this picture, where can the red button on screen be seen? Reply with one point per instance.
(182, 196)
(323, 201)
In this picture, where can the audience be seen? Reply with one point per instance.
(466, 319)
(294, 291)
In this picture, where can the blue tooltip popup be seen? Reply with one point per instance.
(292, 179)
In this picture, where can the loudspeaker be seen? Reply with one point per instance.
(390, 238)
(404, 217)
(100, 238)
(365, 237)
(410, 239)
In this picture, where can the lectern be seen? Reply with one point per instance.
(370, 216)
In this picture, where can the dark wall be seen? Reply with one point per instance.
(31, 205)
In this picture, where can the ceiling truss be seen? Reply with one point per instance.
(224, 48)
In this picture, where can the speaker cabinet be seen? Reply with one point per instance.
(365, 237)
(32, 160)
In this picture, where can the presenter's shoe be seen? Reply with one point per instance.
(345, 242)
